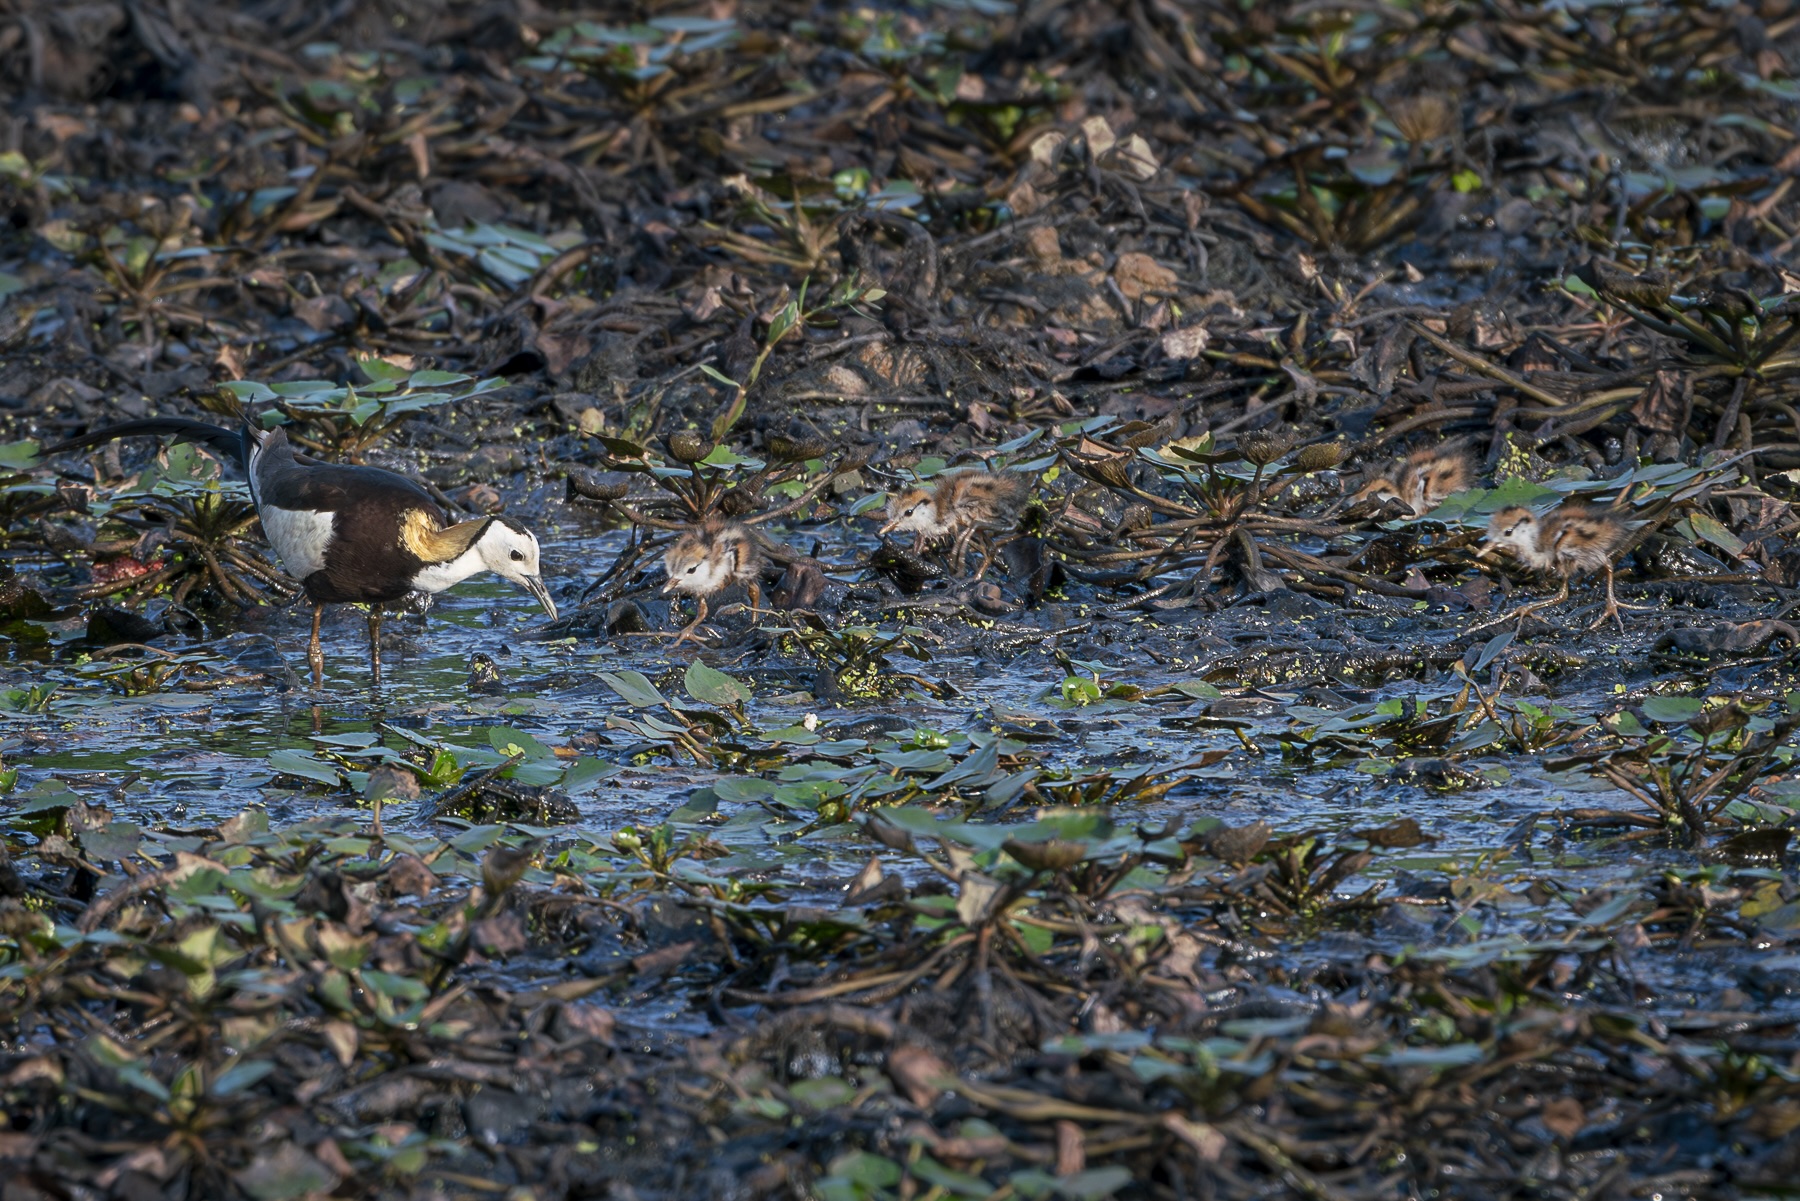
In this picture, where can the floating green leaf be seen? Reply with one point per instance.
(634, 688)
(714, 687)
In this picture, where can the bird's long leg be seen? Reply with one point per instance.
(1522, 613)
(987, 558)
(1613, 606)
(959, 556)
(374, 644)
(1562, 594)
(315, 655)
(688, 630)
(754, 591)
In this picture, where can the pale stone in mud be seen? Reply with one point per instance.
(1138, 275)
(1186, 343)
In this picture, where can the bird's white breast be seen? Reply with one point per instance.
(299, 536)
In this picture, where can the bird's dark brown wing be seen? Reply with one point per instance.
(333, 487)
(367, 558)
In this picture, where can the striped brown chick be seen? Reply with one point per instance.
(1573, 541)
(713, 556)
(957, 508)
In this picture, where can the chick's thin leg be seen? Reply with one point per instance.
(1613, 606)
(982, 539)
(687, 631)
(987, 558)
(1562, 594)
(1524, 612)
(374, 644)
(959, 554)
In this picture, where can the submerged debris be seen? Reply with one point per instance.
(1216, 830)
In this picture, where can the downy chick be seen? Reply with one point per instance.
(1575, 540)
(958, 506)
(710, 558)
(1423, 480)
(1429, 476)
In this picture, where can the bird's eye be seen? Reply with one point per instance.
(912, 510)
(693, 569)
(518, 556)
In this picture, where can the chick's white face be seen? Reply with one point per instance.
(512, 552)
(692, 571)
(914, 512)
(1513, 530)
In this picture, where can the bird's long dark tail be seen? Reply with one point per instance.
(229, 443)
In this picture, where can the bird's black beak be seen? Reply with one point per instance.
(535, 585)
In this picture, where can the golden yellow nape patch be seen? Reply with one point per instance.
(422, 536)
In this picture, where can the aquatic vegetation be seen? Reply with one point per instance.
(180, 526)
(347, 420)
(1202, 843)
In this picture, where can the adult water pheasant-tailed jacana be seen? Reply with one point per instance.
(358, 535)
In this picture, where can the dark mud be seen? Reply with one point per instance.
(1231, 836)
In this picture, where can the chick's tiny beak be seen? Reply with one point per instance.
(1488, 549)
(535, 585)
(668, 586)
(889, 527)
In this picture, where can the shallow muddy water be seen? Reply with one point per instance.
(196, 757)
